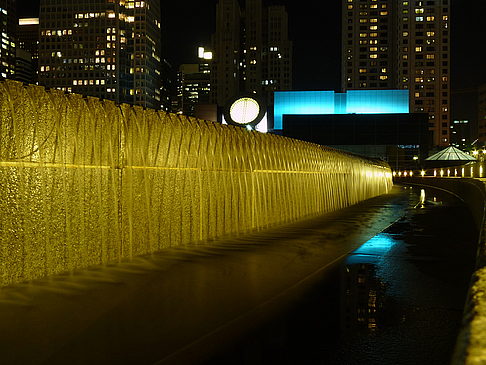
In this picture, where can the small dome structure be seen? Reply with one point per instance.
(450, 153)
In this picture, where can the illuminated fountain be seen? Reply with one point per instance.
(86, 182)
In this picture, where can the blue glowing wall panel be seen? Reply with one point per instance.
(328, 102)
(377, 101)
(302, 102)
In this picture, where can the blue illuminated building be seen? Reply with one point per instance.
(329, 102)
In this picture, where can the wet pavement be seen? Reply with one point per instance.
(290, 295)
(397, 299)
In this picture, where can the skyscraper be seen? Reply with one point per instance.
(27, 64)
(103, 48)
(8, 19)
(252, 52)
(193, 84)
(482, 113)
(396, 44)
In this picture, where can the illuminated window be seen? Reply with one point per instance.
(419, 18)
(374, 55)
(419, 11)
(430, 18)
(430, 34)
(418, 49)
(383, 77)
(373, 49)
(373, 27)
(383, 13)
(430, 56)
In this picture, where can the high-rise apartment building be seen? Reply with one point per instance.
(252, 52)
(27, 63)
(482, 113)
(193, 84)
(8, 19)
(104, 48)
(396, 44)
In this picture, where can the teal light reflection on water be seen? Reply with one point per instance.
(379, 245)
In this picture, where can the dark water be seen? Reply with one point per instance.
(398, 299)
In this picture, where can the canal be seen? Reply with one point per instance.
(397, 299)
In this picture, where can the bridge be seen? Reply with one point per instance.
(122, 191)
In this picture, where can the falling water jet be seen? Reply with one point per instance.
(86, 182)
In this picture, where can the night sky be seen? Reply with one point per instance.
(315, 31)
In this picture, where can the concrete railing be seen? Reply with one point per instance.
(471, 342)
(84, 181)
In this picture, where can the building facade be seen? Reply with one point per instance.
(101, 48)
(27, 63)
(7, 38)
(482, 113)
(193, 84)
(252, 52)
(392, 44)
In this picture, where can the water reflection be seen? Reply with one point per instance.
(363, 292)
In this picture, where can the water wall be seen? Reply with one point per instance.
(84, 181)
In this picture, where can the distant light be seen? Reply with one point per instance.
(29, 21)
(422, 173)
(208, 55)
(244, 110)
(200, 52)
(415, 158)
(422, 196)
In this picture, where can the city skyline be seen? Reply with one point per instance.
(316, 34)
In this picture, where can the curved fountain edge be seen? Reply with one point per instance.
(470, 346)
